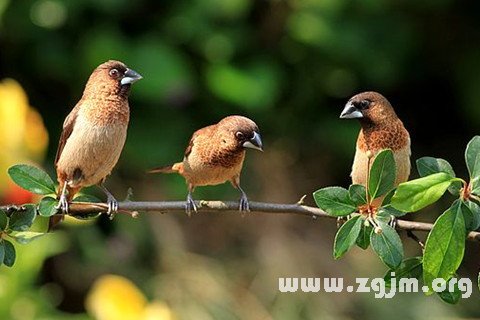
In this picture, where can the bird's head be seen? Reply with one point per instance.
(241, 132)
(368, 107)
(112, 77)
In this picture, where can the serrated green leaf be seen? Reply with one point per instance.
(416, 194)
(358, 194)
(409, 268)
(472, 159)
(335, 201)
(32, 179)
(47, 207)
(387, 245)
(25, 237)
(10, 254)
(471, 214)
(363, 239)
(22, 220)
(451, 297)
(429, 165)
(445, 245)
(2, 251)
(346, 236)
(382, 174)
(3, 220)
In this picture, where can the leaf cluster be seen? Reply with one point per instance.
(368, 224)
(31, 221)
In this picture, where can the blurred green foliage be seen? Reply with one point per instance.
(290, 65)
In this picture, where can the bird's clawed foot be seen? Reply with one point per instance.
(111, 202)
(244, 204)
(190, 205)
(63, 201)
(112, 206)
(393, 222)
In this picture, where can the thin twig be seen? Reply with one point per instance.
(412, 235)
(230, 207)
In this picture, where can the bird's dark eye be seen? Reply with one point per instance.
(239, 135)
(364, 104)
(113, 73)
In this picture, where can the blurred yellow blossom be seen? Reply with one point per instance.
(158, 311)
(115, 297)
(23, 136)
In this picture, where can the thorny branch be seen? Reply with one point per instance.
(78, 209)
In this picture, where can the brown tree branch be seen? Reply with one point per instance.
(78, 209)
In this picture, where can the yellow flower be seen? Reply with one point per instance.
(116, 298)
(23, 135)
(158, 311)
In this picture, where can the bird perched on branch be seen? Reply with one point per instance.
(94, 132)
(215, 155)
(381, 129)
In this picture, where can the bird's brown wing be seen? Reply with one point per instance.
(196, 134)
(67, 131)
(190, 146)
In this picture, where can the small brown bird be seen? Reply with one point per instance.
(94, 132)
(215, 155)
(381, 129)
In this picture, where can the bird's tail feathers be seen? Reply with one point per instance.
(174, 168)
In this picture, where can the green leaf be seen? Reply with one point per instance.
(86, 198)
(383, 215)
(335, 201)
(22, 220)
(388, 197)
(471, 214)
(409, 268)
(2, 251)
(48, 207)
(32, 179)
(40, 224)
(87, 216)
(472, 158)
(390, 211)
(429, 165)
(357, 194)
(451, 297)
(3, 220)
(382, 174)
(25, 237)
(363, 240)
(416, 194)
(346, 236)
(445, 245)
(10, 254)
(387, 245)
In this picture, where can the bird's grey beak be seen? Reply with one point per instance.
(351, 112)
(255, 142)
(130, 76)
